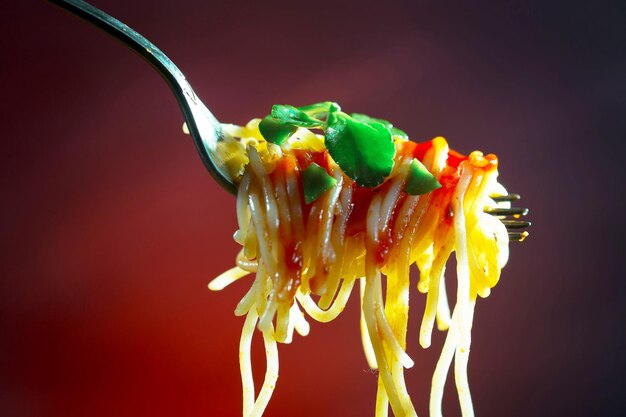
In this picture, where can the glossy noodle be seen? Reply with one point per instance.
(304, 260)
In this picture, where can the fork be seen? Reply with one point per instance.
(510, 217)
(213, 146)
(206, 132)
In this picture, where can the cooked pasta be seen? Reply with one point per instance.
(306, 246)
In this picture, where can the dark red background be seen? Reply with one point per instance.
(111, 228)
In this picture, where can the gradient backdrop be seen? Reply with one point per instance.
(111, 228)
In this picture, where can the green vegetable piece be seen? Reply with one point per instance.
(367, 119)
(275, 131)
(316, 181)
(285, 120)
(320, 110)
(293, 116)
(364, 151)
(420, 180)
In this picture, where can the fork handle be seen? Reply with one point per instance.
(164, 66)
(206, 130)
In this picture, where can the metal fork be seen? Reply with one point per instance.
(510, 217)
(204, 128)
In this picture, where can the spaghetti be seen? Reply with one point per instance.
(349, 233)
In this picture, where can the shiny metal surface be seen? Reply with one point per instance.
(205, 130)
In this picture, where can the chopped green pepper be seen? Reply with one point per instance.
(420, 180)
(316, 181)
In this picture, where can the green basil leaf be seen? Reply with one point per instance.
(364, 151)
(367, 119)
(285, 120)
(316, 181)
(275, 131)
(420, 180)
(310, 116)
(291, 115)
(320, 110)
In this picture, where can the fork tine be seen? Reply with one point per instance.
(517, 236)
(508, 197)
(513, 211)
(512, 225)
(516, 224)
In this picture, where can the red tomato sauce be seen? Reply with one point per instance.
(362, 196)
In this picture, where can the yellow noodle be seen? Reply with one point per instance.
(370, 300)
(245, 263)
(251, 296)
(443, 308)
(262, 234)
(302, 252)
(390, 339)
(324, 316)
(441, 370)
(368, 350)
(271, 375)
(432, 298)
(282, 322)
(334, 276)
(382, 400)
(243, 210)
(226, 278)
(245, 362)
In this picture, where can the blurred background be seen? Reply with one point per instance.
(110, 227)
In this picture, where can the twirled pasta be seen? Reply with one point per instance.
(351, 233)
